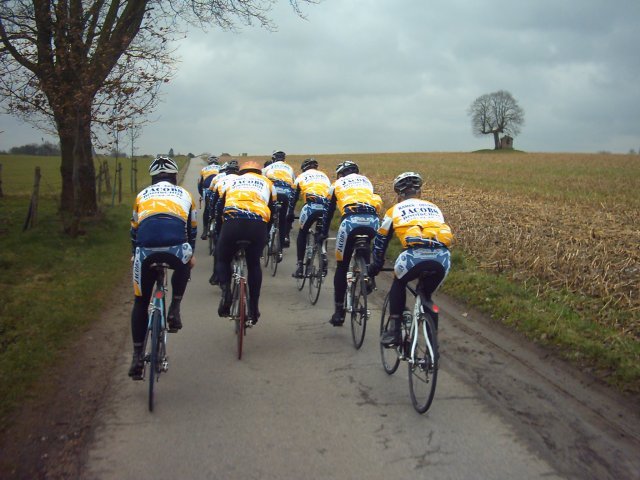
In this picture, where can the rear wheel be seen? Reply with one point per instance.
(315, 275)
(153, 345)
(389, 356)
(212, 239)
(359, 312)
(423, 366)
(274, 250)
(241, 317)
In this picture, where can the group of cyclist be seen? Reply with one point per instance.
(242, 200)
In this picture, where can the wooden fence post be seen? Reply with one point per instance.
(1, 194)
(32, 215)
(107, 177)
(119, 182)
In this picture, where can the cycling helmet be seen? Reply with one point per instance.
(309, 163)
(163, 164)
(407, 182)
(278, 156)
(212, 159)
(345, 168)
(232, 166)
(250, 165)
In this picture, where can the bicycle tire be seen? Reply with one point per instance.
(359, 307)
(275, 249)
(306, 271)
(242, 315)
(423, 370)
(266, 252)
(154, 345)
(389, 356)
(315, 275)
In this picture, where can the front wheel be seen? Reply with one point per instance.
(423, 365)
(359, 308)
(389, 356)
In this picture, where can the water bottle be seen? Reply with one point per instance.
(407, 318)
(349, 278)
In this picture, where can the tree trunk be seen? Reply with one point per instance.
(78, 195)
(496, 140)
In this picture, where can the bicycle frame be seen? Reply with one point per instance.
(418, 310)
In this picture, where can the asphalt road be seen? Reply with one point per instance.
(304, 404)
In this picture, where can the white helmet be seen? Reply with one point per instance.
(407, 182)
(162, 164)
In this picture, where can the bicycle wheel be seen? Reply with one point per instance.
(153, 344)
(266, 251)
(359, 312)
(241, 318)
(307, 263)
(423, 366)
(275, 250)
(315, 275)
(389, 356)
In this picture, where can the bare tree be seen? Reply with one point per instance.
(64, 65)
(496, 113)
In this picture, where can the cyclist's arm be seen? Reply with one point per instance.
(293, 201)
(218, 211)
(380, 244)
(200, 185)
(328, 215)
(134, 227)
(192, 226)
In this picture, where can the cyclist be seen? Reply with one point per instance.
(352, 193)
(425, 239)
(313, 186)
(228, 171)
(283, 178)
(163, 229)
(207, 174)
(248, 204)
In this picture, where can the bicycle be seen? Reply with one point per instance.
(155, 342)
(273, 250)
(357, 289)
(315, 262)
(418, 345)
(240, 295)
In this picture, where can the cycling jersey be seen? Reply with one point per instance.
(416, 223)
(248, 196)
(312, 186)
(422, 231)
(207, 174)
(280, 173)
(163, 215)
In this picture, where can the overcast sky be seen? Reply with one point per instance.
(399, 76)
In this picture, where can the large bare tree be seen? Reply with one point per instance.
(70, 64)
(496, 113)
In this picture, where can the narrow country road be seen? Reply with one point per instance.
(304, 404)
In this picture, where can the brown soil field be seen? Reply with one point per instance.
(565, 222)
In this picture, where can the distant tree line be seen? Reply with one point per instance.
(44, 149)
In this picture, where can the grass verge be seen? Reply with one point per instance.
(51, 287)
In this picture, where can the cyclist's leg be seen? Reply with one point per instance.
(225, 250)
(139, 317)
(179, 279)
(344, 249)
(254, 231)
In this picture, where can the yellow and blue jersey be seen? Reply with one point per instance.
(163, 215)
(248, 196)
(312, 186)
(207, 174)
(280, 173)
(354, 194)
(417, 224)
